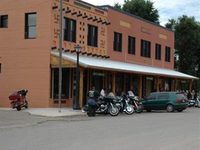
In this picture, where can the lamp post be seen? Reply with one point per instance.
(76, 105)
(60, 55)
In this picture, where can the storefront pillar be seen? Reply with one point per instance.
(172, 85)
(81, 87)
(157, 84)
(175, 85)
(113, 82)
(190, 85)
(140, 87)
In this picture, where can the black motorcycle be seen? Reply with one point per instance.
(103, 105)
(134, 100)
(136, 104)
(124, 105)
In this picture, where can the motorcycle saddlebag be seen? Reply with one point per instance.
(14, 96)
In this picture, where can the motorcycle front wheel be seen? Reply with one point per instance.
(129, 110)
(113, 110)
(26, 104)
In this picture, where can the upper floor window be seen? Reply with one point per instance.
(158, 52)
(145, 48)
(30, 25)
(167, 54)
(4, 21)
(70, 30)
(131, 45)
(117, 45)
(92, 39)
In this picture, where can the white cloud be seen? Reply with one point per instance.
(168, 9)
(176, 8)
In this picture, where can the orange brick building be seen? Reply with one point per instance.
(119, 52)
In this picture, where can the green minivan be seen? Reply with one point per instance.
(169, 101)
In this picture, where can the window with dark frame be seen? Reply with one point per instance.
(4, 21)
(30, 25)
(131, 45)
(0, 67)
(167, 54)
(70, 30)
(145, 48)
(92, 39)
(158, 52)
(117, 45)
(55, 83)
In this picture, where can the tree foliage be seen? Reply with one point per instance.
(141, 8)
(118, 6)
(187, 42)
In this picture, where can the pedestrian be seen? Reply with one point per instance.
(92, 101)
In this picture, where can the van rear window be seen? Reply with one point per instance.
(180, 96)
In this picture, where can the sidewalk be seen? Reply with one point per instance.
(51, 112)
(54, 112)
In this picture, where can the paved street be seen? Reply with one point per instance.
(146, 131)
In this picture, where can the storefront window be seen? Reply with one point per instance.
(55, 83)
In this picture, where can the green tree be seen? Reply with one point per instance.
(187, 43)
(141, 8)
(171, 24)
(118, 6)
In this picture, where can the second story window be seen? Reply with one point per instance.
(117, 42)
(4, 21)
(30, 25)
(92, 36)
(131, 45)
(167, 54)
(70, 30)
(158, 52)
(145, 48)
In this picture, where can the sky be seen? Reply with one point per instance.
(168, 9)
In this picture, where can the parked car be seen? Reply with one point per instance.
(169, 101)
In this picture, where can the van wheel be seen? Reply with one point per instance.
(170, 108)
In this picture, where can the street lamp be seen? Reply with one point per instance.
(76, 105)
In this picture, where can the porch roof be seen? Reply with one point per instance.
(106, 64)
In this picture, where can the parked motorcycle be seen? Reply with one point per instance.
(103, 105)
(18, 99)
(197, 102)
(134, 100)
(123, 104)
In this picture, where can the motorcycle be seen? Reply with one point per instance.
(103, 105)
(197, 102)
(134, 100)
(123, 104)
(18, 99)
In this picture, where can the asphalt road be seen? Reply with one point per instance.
(146, 131)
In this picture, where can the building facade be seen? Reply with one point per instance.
(119, 52)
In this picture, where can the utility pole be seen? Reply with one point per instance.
(60, 54)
